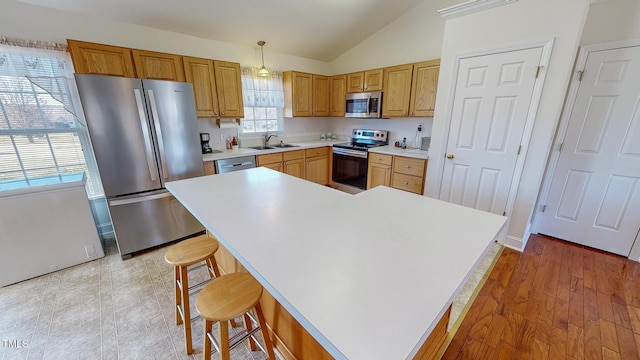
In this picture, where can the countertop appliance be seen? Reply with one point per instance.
(235, 164)
(364, 105)
(144, 133)
(204, 143)
(350, 159)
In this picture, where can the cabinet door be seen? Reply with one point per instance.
(229, 88)
(423, 88)
(320, 95)
(337, 85)
(302, 94)
(408, 183)
(200, 73)
(294, 168)
(90, 58)
(317, 169)
(373, 80)
(158, 66)
(355, 82)
(378, 174)
(397, 88)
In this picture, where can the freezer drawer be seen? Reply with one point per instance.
(148, 220)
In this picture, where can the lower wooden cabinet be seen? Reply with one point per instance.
(408, 174)
(399, 172)
(379, 172)
(272, 161)
(317, 165)
(293, 163)
(209, 168)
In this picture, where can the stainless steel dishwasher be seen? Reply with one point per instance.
(235, 164)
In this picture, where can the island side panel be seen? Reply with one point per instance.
(288, 336)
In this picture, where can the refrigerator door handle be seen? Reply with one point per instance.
(137, 199)
(145, 134)
(156, 123)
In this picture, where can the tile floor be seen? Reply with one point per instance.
(114, 309)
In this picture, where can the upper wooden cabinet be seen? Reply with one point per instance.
(397, 89)
(338, 88)
(298, 94)
(370, 80)
(229, 88)
(321, 95)
(91, 58)
(423, 88)
(158, 66)
(201, 74)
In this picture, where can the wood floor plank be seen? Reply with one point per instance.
(558, 345)
(591, 312)
(634, 317)
(604, 306)
(505, 351)
(540, 350)
(608, 354)
(608, 335)
(575, 342)
(627, 343)
(576, 302)
(561, 314)
(469, 350)
(621, 315)
(592, 343)
(486, 352)
(494, 335)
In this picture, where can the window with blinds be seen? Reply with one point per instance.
(40, 137)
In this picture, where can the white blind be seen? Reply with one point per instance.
(40, 135)
(263, 101)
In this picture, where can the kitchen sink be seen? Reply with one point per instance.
(285, 145)
(260, 147)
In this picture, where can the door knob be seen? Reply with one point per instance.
(450, 156)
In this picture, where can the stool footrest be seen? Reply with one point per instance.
(237, 339)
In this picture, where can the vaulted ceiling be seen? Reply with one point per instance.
(314, 29)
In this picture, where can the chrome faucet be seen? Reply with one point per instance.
(268, 137)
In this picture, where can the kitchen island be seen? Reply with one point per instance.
(369, 276)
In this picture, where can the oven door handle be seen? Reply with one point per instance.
(349, 152)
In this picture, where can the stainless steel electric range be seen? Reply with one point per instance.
(350, 159)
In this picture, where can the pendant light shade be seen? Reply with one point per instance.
(263, 71)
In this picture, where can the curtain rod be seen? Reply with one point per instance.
(33, 44)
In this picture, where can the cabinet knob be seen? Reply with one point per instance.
(406, 183)
(317, 152)
(215, 113)
(408, 166)
(404, 113)
(379, 158)
(223, 113)
(411, 114)
(450, 156)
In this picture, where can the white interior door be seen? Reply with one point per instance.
(492, 100)
(594, 196)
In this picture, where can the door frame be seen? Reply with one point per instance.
(547, 47)
(563, 125)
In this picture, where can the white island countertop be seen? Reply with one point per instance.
(367, 275)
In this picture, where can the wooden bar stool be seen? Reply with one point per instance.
(222, 300)
(182, 255)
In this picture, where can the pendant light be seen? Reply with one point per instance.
(263, 72)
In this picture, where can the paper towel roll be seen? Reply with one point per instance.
(228, 125)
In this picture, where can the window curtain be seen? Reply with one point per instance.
(40, 81)
(262, 91)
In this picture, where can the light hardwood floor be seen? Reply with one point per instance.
(556, 300)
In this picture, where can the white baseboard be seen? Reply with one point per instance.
(513, 242)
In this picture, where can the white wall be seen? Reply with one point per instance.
(398, 128)
(18, 20)
(415, 36)
(516, 23)
(612, 20)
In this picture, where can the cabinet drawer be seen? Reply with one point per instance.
(380, 158)
(407, 183)
(292, 155)
(409, 166)
(317, 151)
(269, 158)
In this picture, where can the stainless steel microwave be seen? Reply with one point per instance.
(364, 105)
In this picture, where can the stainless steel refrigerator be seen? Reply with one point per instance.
(144, 133)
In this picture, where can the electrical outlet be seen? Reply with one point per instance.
(419, 127)
(221, 137)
